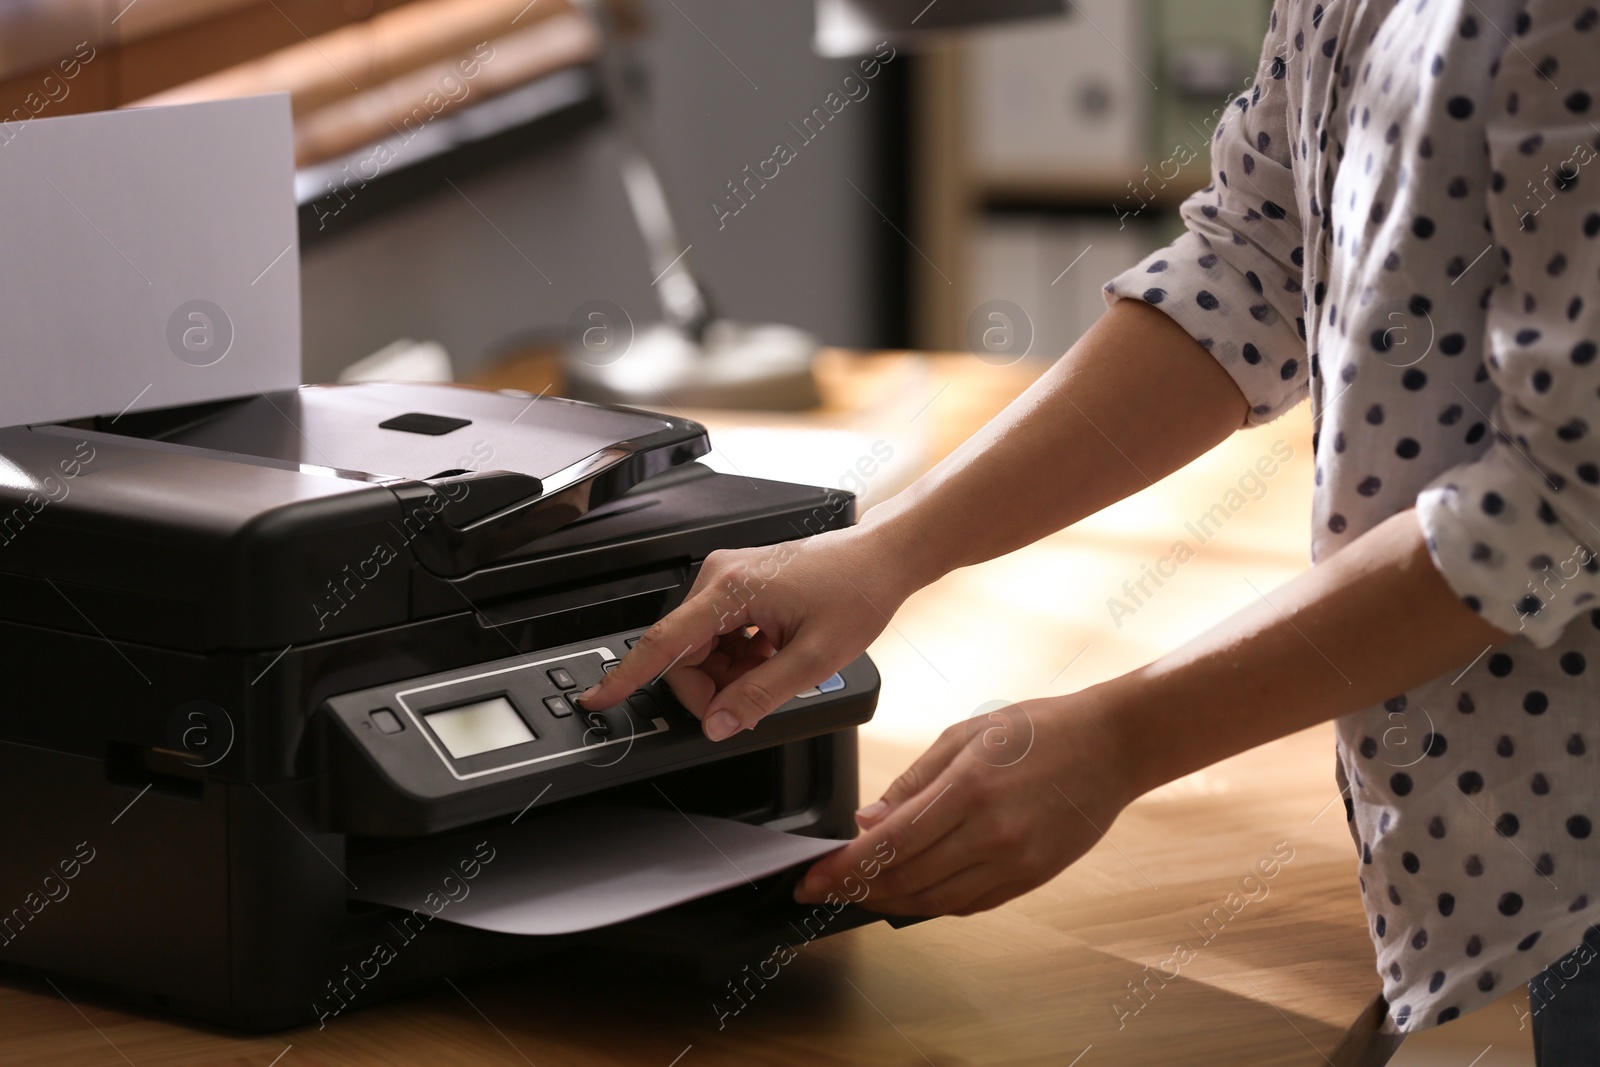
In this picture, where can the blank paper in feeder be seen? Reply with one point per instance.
(151, 259)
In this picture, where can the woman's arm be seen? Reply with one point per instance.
(1370, 622)
(1134, 399)
(967, 831)
(1204, 336)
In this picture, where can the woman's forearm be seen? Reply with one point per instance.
(1365, 625)
(1135, 399)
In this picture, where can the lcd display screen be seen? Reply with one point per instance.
(470, 729)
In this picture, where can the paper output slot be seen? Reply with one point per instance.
(577, 869)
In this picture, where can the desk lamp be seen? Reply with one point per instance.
(693, 358)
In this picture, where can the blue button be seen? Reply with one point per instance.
(832, 685)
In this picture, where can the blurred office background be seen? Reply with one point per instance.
(1025, 163)
(1055, 153)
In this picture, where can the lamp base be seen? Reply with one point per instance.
(763, 367)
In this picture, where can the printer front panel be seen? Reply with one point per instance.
(450, 749)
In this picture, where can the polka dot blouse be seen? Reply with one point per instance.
(1404, 223)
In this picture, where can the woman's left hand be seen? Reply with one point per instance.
(998, 806)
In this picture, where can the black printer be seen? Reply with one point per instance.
(249, 645)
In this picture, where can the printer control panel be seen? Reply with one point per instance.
(464, 745)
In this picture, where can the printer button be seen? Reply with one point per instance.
(596, 722)
(663, 696)
(632, 641)
(609, 665)
(645, 709)
(832, 684)
(386, 722)
(558, 706)
(637, 714)
(561, 678)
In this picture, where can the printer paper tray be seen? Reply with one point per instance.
(719, 935)
(578, 867)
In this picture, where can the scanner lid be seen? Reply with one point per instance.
(230, 524)
(509, 466)
(389, 431)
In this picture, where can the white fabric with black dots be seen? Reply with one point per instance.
(1404, 223)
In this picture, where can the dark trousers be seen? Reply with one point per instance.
(1564, 1001)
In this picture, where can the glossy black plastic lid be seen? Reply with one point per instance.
(427, 431)
(513, 466)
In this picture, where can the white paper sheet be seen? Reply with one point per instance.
(148, 257)
(578, 869)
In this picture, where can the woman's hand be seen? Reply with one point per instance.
(762, 624)
(998, 806)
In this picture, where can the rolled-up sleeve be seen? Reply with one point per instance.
(1234, 280)
(1514, 531)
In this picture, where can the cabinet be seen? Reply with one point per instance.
(1040, 142)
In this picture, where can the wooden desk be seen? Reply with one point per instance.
(1038, 981)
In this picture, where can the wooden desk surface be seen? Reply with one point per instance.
(1273, 978)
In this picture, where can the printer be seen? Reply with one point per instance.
(250, 645)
